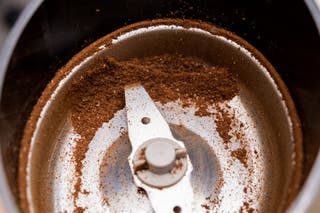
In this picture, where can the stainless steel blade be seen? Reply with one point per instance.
(141, 108)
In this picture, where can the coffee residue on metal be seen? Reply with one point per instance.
(241, 155)
(223, 124)
(100, 116)
(213, 201)
(246, 208)
(205, 206)
(99, 92)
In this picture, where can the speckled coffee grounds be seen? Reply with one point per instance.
(223, 124)
(213, 202)
(241, 155)
(79, 210)
(31, 125)
(99, 92)
(246, 208)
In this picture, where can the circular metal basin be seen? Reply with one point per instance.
(263, 113)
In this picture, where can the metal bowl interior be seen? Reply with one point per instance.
(33, 54)
(271, 131)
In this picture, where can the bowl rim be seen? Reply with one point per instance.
(6, 196)
(305, 199)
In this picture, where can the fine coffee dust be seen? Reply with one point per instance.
(246, 208)
(99, 92)
(241, 155)
(224, 121)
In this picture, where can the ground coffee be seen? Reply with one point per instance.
(99, 92)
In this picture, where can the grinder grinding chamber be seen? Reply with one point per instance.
(57, 41)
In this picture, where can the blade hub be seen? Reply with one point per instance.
(160, 162)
